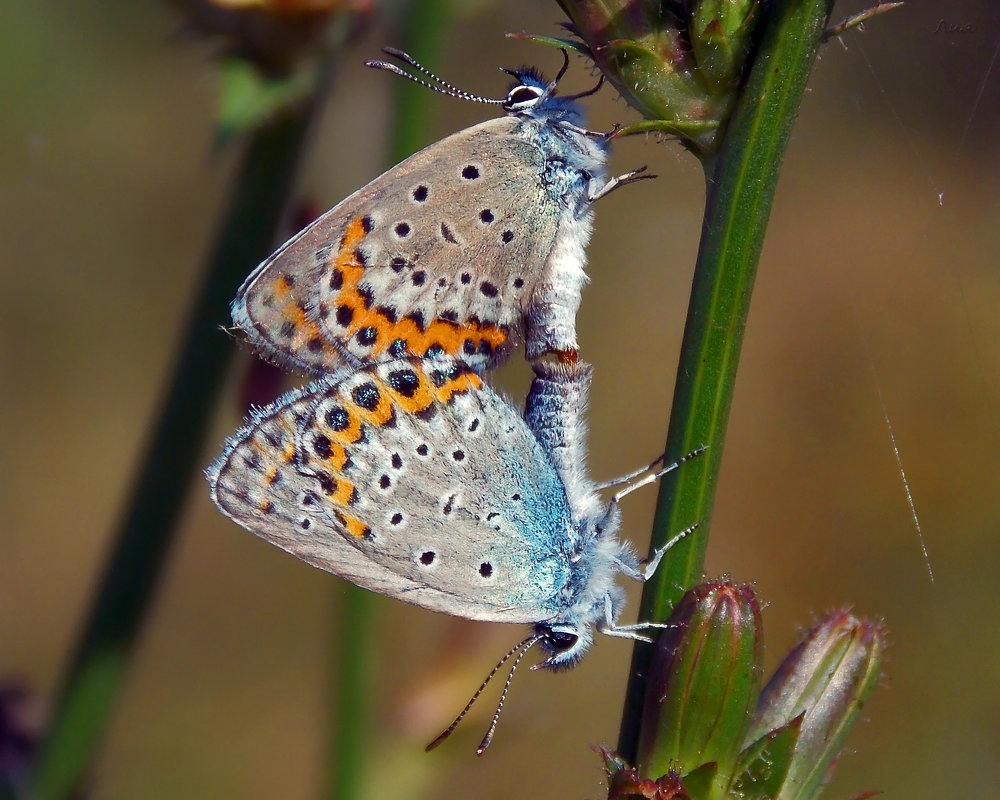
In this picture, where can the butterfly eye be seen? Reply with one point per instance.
(521, 96)
(561, 640)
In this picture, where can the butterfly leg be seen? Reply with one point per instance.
(645, 572)
(618, 181)
(651, 477)
(634, 474)
(609, 627)
(654, 562)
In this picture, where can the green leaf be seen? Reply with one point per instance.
(248, 98)
(553, 41)
(765, 763)
(701, 782)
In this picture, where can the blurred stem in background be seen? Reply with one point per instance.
(422, 24)
(97, 668)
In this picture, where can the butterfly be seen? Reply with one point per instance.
(463, 249)
(414, 479)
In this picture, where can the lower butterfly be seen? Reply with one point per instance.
(412, 478)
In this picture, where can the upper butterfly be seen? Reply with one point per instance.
(462, 249)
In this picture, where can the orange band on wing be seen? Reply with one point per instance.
(344, 493)
(462, 383)
(354, 314)
(383, 411)
(415, 400)
(304, 333)
(373, 400)
(338, 456)
(355, 527)
(347, 433)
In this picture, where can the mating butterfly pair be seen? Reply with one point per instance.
(399, 468)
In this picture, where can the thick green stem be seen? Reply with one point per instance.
(741, 184)
(146, 530)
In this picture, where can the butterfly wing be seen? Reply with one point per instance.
(410, 478)
(439, 255)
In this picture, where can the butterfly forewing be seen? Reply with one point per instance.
(439, 255)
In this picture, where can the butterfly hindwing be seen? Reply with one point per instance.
(448, 261)
(410, 478)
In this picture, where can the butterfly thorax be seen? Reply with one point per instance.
(554, 111)
(555, 125)
(572, 161)
(587, 595)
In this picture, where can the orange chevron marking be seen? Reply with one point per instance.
(355, 527)
(383, 411)
(352, 432)
(450, 336)
(338, 456)
(343, 493)
(463, 383)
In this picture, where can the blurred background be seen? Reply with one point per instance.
(877, 294)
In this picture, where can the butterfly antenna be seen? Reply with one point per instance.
(404, 56)
(523, 647)
(439, 84)
(550, 87)
(503, 696)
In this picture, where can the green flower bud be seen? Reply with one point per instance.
(721, 40)
(702, 686)
(680, 68)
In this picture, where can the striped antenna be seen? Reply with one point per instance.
(439, 84)
(519, 650)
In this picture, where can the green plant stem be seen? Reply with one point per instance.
(146, 530)
(741, 183)
(423, 26)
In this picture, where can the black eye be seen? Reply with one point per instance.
(561, 640)
(522, 94)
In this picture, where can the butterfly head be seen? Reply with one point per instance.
(564, 643)
(532, 96)
(596, 600)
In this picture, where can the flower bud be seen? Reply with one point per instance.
(702, 685)
(721, 39)
(625, 782)
(679, 64)
(807, 708)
